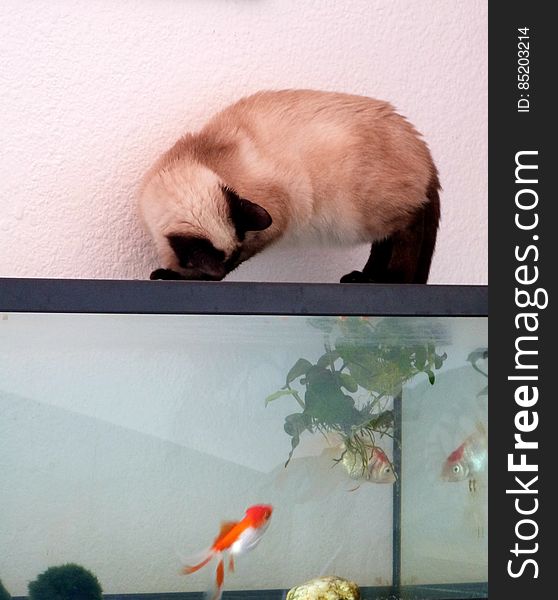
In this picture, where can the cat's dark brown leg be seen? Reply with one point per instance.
(406, 255)
(395, 259)
(375, 270)
(431, 222)
(399, 258)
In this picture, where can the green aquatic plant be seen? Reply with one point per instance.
(4, 594)
(474, 357)
(371, 356)
(66, 582)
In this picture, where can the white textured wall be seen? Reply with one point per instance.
(93, 90)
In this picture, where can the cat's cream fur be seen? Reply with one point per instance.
(340, 168)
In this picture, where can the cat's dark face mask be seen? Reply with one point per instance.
(199, 259)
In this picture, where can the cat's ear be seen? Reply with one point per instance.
(246, 215)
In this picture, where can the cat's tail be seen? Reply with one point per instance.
(431, 220)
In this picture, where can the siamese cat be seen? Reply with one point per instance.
(300, 165)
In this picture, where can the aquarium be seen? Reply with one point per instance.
(151, 428)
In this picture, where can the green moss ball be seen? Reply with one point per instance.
(67, 582)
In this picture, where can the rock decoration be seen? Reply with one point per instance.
(325, 588)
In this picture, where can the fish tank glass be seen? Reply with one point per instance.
(141, 421)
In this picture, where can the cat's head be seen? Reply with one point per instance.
(198, 223)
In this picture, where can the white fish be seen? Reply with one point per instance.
(469, 458)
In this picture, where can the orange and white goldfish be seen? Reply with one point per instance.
(469, 458)
(378, 469)
(234, 538)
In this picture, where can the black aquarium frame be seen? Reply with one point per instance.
(240, 298)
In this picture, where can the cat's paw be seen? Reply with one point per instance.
(165, 274)
(355, 277)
